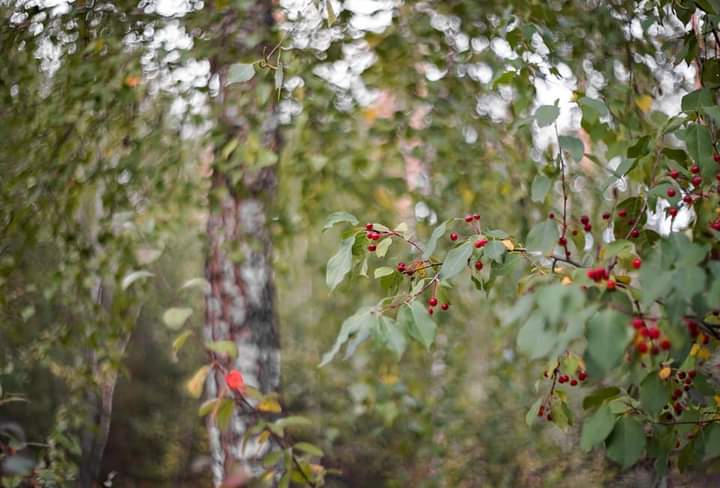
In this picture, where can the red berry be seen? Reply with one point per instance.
(716, 157)
(622, 212)
(468, 218)
(671, 192)
(551, 215)
(653, 332)
(541, 411)
(584, 219)
(611, 284)
(674, 174)
(705, 339)
(677, 394)
(476, 217)
(636, 263)
(401, 267)
(688, 199)
(453, 236)
(682, 375)
(480, 243)
(634, 233)
(695, 169)
(372, 247)
(678, 408)
(672, 211)
(478, 265)
(369, 226)
(696, 180)
(582, 375)
(431, 310)
(573, 383)
(665, 345)
(562, 241)
(235, 381)
(606, 216)
(717, 176)
(645, 332)
(588, 228)
(655, 351)
(445, 306)
(692, 373)
(642, 347)
(638, 323)
(433, 301)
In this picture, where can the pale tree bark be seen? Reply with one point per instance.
(240, 306)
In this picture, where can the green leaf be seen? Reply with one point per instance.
(383, 246)
(599, 396)
(597, 427)
(308, 448)
(653, 394)
(712, 441)
(383, 271)
(711, 73)
(620, 247)
(201, 283)
(534, 338)
(572, 145)
(592, 109)
(350, 326)
(180, 341)
(431, 245)
(543, 237)
(546, 115)
(330, 13)
(456, 260)
(496, 234)
(607, 337)
(223, 347)
(494, 250)
(240, 73)
(175, 317)
(393, 335)
(224, 414)
(627, 442)
(340, 264)
(293, 421)
(699, 146)
(133, 277)
(338, 218)
(696, 100)
(714, 112)
(422, 326)
(207, 407)
(532, 415)
(540, 187)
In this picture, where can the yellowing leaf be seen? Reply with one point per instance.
(269, 405)
(508, 244)
(704, 353)
(717, 400)
(644, 103)
(624, 279)
(566, 280)
(694, 350)
(665, 373)
(263, 437)
(195, 385)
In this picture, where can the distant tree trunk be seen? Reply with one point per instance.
(240, 305)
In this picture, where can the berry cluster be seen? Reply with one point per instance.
(680, 400)
(649, 339)
(561, 378)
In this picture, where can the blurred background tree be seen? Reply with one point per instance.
(112, 118)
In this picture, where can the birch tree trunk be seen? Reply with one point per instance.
(240, 306)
